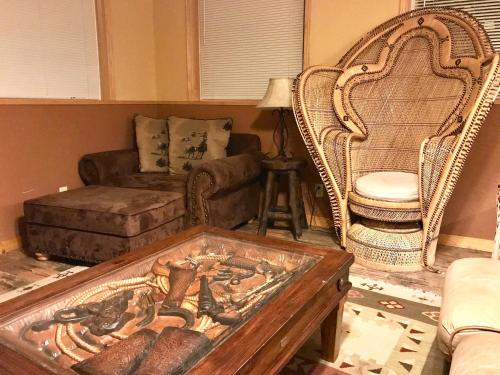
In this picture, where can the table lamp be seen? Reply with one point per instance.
(278, 97)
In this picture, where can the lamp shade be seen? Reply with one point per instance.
(278, 94)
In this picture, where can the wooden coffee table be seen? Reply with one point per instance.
(305, 288)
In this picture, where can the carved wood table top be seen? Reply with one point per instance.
(220, 301)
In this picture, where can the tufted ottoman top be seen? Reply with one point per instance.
(110, 210)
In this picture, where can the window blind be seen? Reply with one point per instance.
(487, 12)
(244, 43)
(48, 49)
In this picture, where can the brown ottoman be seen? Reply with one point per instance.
(97, 223)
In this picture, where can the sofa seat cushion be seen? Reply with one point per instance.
(388, 186)
(477, 354)
(471, 300)
(150, 181)
(102, 209)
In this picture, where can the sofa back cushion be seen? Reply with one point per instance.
(152, 143)
(193, 142)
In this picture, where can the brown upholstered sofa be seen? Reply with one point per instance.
(124, 209)
(222, 192)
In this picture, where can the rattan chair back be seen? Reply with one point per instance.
(410, 96)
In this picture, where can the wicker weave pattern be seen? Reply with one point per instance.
(333, 169)
(375, 249)
(385, 214)
(404, 103)
(410, 96)
(318, 99)
(468, 23)
(335, 144)
(435, 152)
(462, 44)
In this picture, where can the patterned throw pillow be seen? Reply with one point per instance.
(152, 142)
(193, 142)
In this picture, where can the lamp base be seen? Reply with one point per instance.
(280, 135)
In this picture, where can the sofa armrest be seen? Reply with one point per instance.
(216, 177)
(95, 169)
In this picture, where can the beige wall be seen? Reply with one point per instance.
(131, 49)
(147, 49)
(41, 145)
(148, 41)
(335, 25)
(171, 53)
(471, 211)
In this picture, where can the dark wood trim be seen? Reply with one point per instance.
(104, 50)
(306, 50)
(192, 50)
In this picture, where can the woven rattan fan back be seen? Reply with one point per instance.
(406, 84)
(410, 96)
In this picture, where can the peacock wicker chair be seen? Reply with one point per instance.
(399, 111)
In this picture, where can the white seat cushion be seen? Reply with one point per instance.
(388, 186)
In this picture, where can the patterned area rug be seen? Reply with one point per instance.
(381, 334)
(63, 272)
(387, 329)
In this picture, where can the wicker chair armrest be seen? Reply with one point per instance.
(336, 148)
(326, 138)
(434, 154)
(332, 157)
(435, 167)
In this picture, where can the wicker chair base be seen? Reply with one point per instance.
(385, 250)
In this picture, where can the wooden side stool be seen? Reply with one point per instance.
(293, 212)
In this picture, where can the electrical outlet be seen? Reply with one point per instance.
(318, 190)
(62, 188)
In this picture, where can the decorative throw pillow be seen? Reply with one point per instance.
(193, 142)
(152, 141)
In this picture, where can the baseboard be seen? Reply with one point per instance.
(466, 242)
(9, 245)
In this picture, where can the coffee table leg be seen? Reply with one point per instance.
(331, 329)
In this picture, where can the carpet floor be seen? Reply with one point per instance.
(381, 334)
